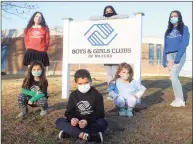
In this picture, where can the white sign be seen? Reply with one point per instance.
(101, 42)
(108, 41)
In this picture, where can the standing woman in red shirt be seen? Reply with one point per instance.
(36, 38)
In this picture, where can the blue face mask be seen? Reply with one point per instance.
(36, 73)
(174, 20)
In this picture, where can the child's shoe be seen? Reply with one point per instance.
(63, 135)
(109, 98)
(23, 113)
(80, 141)
(98, 137)
(43, 112)
(178, 103)
(129, 112)
(122, 112)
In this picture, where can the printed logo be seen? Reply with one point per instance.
(100, 34)
(36, 34)
(174, 34)
(36, 89)
(84, 107)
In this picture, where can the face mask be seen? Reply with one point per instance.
(109, 15)
(36, 73)
(124, 76)
(84, 88)
(174, 20)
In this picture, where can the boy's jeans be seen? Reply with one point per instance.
(174, 73)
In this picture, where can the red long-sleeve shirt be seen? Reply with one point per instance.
(37, 38)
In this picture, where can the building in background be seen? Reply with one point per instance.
(152, 50)
(4, 46)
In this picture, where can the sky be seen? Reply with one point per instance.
(154, 22)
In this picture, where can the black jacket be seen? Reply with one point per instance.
(88, 106)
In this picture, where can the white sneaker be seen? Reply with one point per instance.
(43, 112)
(178, 103)
(109, 98)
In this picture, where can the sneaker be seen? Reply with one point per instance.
(63, 135)
(129, 112)
(80, 141)
(109, 98)
(97, 137)
(21, 115)
(177, 103)
(43, 112)
(122, 112)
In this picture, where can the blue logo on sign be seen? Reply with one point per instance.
(100, 34)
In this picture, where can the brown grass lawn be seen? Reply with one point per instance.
(157, 124)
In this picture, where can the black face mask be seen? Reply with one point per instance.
(109, 15)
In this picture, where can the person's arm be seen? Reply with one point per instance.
(120, 16)
(112, 89)
(139, 89)
(96, 18)
(99, 106)
(47, 38)
(183, 45)
(35, 96)
(70, 108)
(25, 38)
(99, 111)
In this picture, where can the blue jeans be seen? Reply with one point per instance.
(174, 72)
(99, 125)
(122, 102)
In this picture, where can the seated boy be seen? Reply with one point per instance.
(84, 112)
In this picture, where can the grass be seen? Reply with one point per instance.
(157, 124)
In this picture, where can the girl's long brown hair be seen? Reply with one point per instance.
(31, 23)
(120, 67)
(30, 78)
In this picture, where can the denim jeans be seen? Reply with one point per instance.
(122, 102)
(174, 72)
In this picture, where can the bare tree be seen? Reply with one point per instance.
(20, 9)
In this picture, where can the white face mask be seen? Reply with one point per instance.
(84, 88)
(124, 76)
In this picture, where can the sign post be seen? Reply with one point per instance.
(65, 62)
(137, 69)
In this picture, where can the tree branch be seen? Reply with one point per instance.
(25, 7)
(12, 13)
(17, 9)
